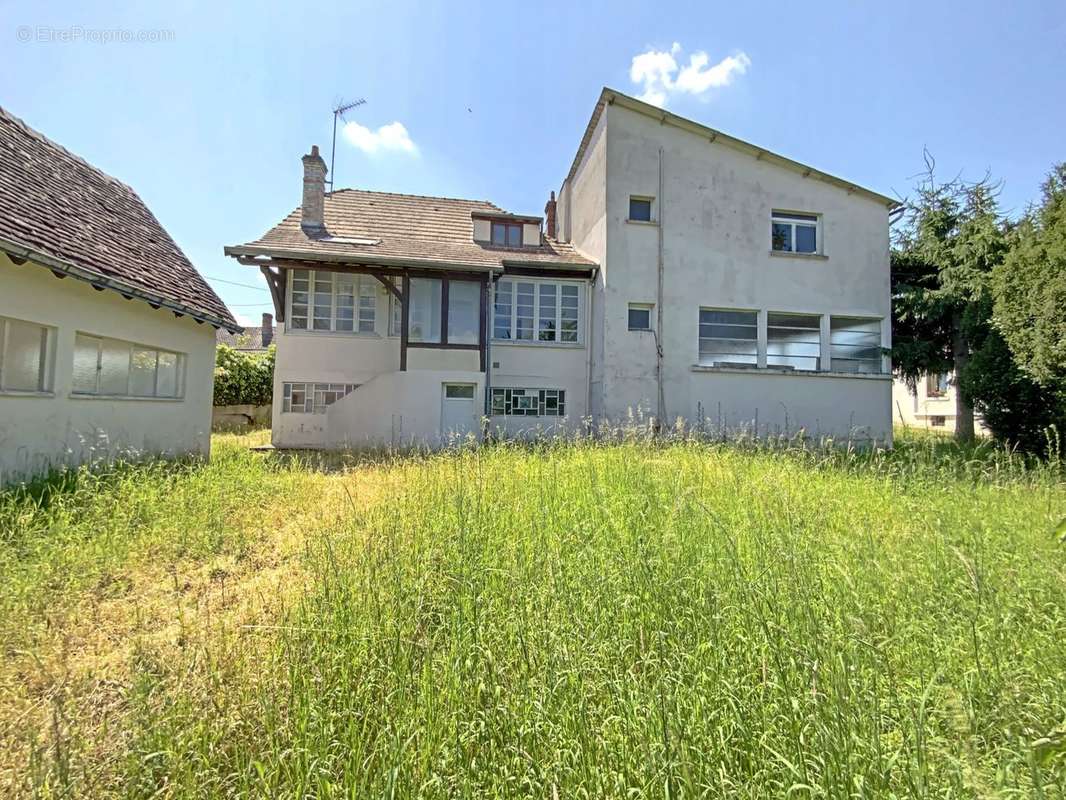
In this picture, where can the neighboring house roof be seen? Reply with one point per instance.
(59, 211)
(405, 230)
(610, 96)
(251, 339)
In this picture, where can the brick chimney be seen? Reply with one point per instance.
(549, 217)
(313, 211)
(268, 329)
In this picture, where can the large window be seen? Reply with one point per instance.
(729, 338)
(114, 368)
(424, 317)
(312, 398)
(507, 233)
(528, 402)
(24, 356)
(855, 344)
(936, 385)
(794, 233)
(333, 301)
(540, 311)
(794, 341)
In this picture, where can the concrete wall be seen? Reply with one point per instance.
(58, 428)
(714, 215)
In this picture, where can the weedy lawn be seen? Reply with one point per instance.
(633, 619)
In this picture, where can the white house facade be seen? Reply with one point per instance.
(680, 273)
(107, 332)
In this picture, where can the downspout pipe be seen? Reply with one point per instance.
(659, 303)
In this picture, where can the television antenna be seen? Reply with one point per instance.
(339, 112)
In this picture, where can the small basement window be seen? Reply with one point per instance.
(794, 233)
(640, 316)
(508, 234)
(640, 209)
(938, 421)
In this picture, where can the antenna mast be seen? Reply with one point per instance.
(339, 111)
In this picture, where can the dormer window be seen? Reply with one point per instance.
(507, 233)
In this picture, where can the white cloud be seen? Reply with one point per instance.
(662, 78)
(246, 321)
(388, 138)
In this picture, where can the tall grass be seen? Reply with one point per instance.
(634, 619)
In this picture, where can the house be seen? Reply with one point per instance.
(930, 405)
(107, 332)
(679, 272)
(251, 339)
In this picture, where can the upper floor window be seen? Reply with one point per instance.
(507, 233)
(24, 356)
(540, 311)
(794, 233)
(640, 316)
(729, 338)
(640, 209)
(333, 301)
(936, 385)
(855, 344)
(115, 368)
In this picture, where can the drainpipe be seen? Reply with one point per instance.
(659, 303)
(591, 292)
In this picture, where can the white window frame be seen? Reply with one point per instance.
(642, 198)
(46, 368)
(311, 390)
(363, 314)
(130, 347)
(780, 216)
(536, 340)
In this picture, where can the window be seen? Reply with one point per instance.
(24, 359)
(794, 233)
(312, 398)
(333, 301)
(508, 234)
(113, 368)
(640, 209)
(793, 341)
(729, 338)
(536, 311)
(464, 307)
(459, 391)
(640, 316)
(938, 421)
(424, 316)
(936, 385)
(395, 311)
(529, 402)
(855, 344)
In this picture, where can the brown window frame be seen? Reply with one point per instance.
(507, 226)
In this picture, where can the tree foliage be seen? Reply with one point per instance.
(950, 239)
(1029, 288)
(243, 378)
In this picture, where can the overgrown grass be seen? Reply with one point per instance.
(634, 619)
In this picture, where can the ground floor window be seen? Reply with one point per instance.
(729, 338)
(312, 398)
(24, 356)
(114, 368)
(529, 402)
(855, 344)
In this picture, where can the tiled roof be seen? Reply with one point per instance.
(251, 339)
(407, 229)
(59, 209)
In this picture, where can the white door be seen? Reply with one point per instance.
(458, 416)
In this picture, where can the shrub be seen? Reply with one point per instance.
(243, 378)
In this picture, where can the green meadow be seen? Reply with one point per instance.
(627, 619)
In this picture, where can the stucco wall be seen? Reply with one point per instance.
(63, 429)
(714, 212)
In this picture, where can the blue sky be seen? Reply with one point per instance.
(208, 125)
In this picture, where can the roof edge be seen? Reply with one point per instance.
(23, 251)
(610, 96)
(236, 251)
